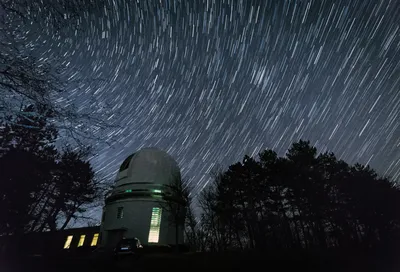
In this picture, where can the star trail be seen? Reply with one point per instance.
(211, 81)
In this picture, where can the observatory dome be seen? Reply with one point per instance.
(133, 208)
(148, 165)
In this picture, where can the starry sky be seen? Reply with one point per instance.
(211, 81)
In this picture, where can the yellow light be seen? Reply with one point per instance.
(68, 241)
(95, 239)
(81, 240)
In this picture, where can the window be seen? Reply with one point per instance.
(68, 241)
(126, 162)
(81, 240)
(120, 212)
(95, 239)
(155, 223)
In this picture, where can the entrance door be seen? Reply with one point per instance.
(113, 237)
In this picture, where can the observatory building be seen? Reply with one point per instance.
(134, 208)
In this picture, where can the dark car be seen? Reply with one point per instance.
(128, 247)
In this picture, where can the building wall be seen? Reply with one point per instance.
(89, 232)
(136, 221)
(47, 243)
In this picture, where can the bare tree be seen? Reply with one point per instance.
(191, 228)
(175, 202)
(26, 79)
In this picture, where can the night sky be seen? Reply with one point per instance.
(211, 81)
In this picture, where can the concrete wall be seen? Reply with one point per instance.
(136, 221)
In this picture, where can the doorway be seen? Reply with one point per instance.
(113, 237)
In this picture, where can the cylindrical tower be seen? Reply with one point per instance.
(134, 208)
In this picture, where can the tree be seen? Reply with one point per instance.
(303, 200)
(73, 187)
(26, 154)
(175, 202)
(40, 186)
(21, 176)
(26, 79)
(218, 221)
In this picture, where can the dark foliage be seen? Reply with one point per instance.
(175, 201)
(301, 201)
(41, 188)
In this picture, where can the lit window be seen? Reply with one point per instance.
(120, 212)
(155, 224)
(157, 191)
(95, 239)
(81, 240)
(68, 242)
(128, 191)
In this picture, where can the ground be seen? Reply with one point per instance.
(234, 261)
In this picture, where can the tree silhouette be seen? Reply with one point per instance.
(41, 188)
(45, 83)
(175, 201)
(303, 200)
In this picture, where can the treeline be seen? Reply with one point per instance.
(304, 200)
(44, 183)
(42, 187)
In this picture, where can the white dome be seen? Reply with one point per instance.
(148, 165)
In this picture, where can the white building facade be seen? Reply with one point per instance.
(135, 209)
